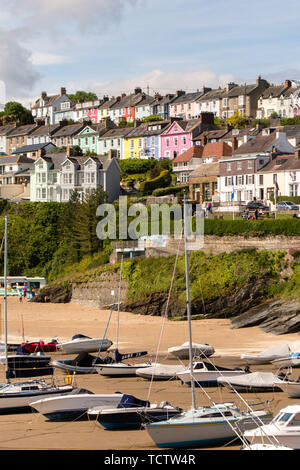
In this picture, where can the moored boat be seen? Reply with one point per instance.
(198, 350)
(80, 343)
(205, 374)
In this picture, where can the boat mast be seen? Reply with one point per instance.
(188, 305)
(5, 299)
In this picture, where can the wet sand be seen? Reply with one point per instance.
(35, 321)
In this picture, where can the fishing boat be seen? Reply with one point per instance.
(131, 413)
(80, 343)
(283, 430)
(160, 372)
(206, 374)
(198, 350)
(267, 356)
(201, 425)
(255, 382)
(74, 406)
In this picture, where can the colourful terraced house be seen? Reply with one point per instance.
(144, 141)
(88, 137)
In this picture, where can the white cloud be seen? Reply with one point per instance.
(163, 82)
(44, 58)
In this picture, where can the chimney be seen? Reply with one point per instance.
(207, 118)
(43, 95)
(63, 91)
(287, 83)
(108, 123)
(206, 89)
(137, 90)
(112, 153)
(235, 143)
(180, 93)
(230, 85)
(258, 80)
(203, 139)
(40, 153)
(123, 95)
(70, 151)
(157, 96)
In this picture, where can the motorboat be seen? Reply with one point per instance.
(291, 388)
(205, 426)
(131, 413)
(118, 368)
(293, 360)
(75, 405)
(27, 365)
(84, 363)
(16, 397)
(39, 346)
(160, 372)
(254, 382)
(283, 430)
(198, 350)
(80, 343)
(205, 374)
(267, 356)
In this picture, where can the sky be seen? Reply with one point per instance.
(113, 46)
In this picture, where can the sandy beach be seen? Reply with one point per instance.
(34, 321)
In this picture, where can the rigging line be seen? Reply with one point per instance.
(119, 301)
(111, 311)
(165, 313)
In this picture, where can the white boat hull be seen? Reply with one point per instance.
(79, 345)
(207, 378)
(160, 372)
(272, 434)
(120, 369)
(183, 432)
(20, 402)
(74, 406)
(292, 389)
(198, 350)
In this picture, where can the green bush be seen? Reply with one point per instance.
(169, 190)
(132, 166)
(161, 181)
(288, 227)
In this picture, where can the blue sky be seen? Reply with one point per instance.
(112, 46)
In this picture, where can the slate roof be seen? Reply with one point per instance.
(277, 91)
(32, 148)
(45, 130)
(187, 97)
(5, 130)
(71, 129)
(206, 169)
(287, 162)
(143, 130)
(23, 130)
(48, 100)
(213, 95)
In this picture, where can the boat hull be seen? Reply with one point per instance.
(273, 434)
(119, 370)
(134, 418)
(85, 345)
(20, 403)
(74, 406)
(206, 378)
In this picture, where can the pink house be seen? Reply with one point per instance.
(93, 114)
(178, 137)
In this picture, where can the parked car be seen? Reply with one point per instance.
(287, 206)
(251, 206)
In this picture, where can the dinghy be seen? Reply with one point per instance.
(84, 363)
(254, 382)
(206, 374)
(160, 372)
(198, 350)
(80, 343)
(284, 429)
(131, 413)
(267, 356)
(75, 405)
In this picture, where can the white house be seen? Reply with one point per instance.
(46, 106)
(277, 100)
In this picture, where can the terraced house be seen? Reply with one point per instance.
(184, 106)
(87, 138)
(18, 137)
(144, 141)
(277, 101)
(113, 141)
(242, 99)
(4, 132)
(64, 137)
(160, 106)
(56, 176)
(46, 106)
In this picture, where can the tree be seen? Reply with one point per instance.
(238, 121)
(15, 112)
(152, 118)
(82, 96)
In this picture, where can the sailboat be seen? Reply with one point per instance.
(200, 425)
(16, 397)
(118, 368)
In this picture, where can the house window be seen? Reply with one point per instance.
(140, 143)
(184, 140)
(167, 142)
(275, 178)
(152, 140)
(228, 166)
(132, 154)
(44, 193)
(239, 165)
(249, 164)
(261, 179)
(132, 143)
(176, 141)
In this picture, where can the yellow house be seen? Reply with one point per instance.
(134, 147)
